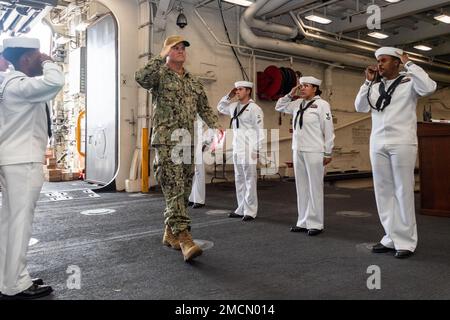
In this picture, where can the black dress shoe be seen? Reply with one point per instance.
(190, 204)
(379, 248)
(197, 205)
(314, 232)
(298, 229)
(33, 292)
(248, 218)
(36, 281)
(402, 254)
(234, 215)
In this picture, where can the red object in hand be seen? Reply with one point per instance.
(218, 140)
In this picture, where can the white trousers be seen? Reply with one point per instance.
(198, 185)
(245, 178)
(309, 171)
(393, 177)
(21, 185)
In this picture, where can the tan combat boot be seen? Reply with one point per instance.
(170, 240)
(189, 249)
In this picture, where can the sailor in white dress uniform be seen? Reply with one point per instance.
(393, 143)
(247, 121)
(312, 146)
(24, 134)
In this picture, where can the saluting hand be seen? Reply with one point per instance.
(294, 90)
(371, 71)
(232, 93)
(404, 57)
(165, 52)
(45, 57)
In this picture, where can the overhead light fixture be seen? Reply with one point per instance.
(318, 19)
(392, 1)
(445, 18)
(243, 3)
(378, 35)
(423, 47)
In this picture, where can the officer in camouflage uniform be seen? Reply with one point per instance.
(179, 97)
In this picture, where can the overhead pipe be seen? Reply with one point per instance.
(325, 39)
(252, 54)
(338, 40)
(272, 6)
(291, 6)
(253, 50)
(280, 29)
(300, 49)
(353, 43)
(285, 56)
(335, 35)
(320, 5)
(266, 26)
(267, 43)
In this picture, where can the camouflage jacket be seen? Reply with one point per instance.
(178, 100)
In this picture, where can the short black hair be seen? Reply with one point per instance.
(318, 91)
(13, 55)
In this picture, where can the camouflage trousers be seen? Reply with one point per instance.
(176, 182)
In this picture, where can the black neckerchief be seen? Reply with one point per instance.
(301, 111)
(49, 123)
(236, 115)
(385, 96)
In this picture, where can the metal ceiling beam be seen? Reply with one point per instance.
(292, 5)
(424, 31)
(440, 50)
(32, 3)
(392, 12)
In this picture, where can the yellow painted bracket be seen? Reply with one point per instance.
(144, 160)
(78, 132)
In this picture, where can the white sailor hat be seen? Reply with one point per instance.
(21, 42)
(245, 84)
(390, 51)
(310, 80)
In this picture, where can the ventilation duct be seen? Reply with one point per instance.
(298, 49)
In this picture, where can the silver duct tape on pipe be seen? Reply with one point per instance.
(249, 16)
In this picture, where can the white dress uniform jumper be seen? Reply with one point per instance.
(24, 133)
(247, 122)
(313, 139)
(198, 182)
(393, 150)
